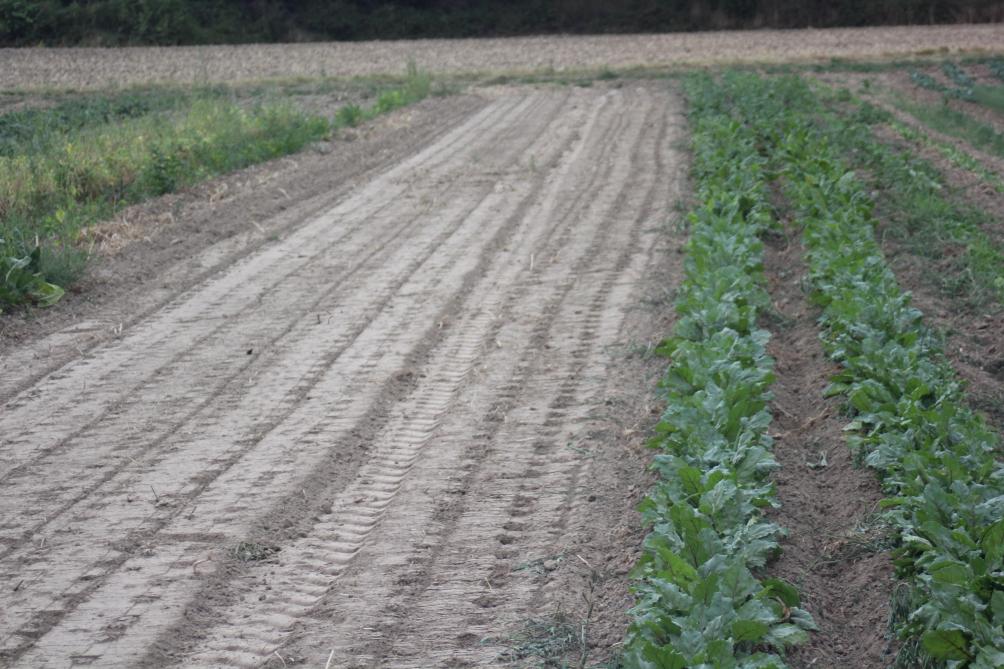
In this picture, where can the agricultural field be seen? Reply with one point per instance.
(646, 352)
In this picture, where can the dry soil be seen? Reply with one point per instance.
(385, 421)
(85, 68)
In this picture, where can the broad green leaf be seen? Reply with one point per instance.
(803, 619)
(997, 606)
(783, 590)
(749, 630)
(784, 635)
(690, 480)
(953, 573)
(989, 658)
(946, 644)
(992, 542)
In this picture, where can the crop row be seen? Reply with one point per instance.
(930, 83)
(938, 461)
(926, 214)
(957, 157)
(964, 88)
(996, 66)
(699, 603)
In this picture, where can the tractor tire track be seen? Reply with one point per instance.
(380, 402)
(199, 458)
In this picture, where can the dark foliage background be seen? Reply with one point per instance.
(126, 22)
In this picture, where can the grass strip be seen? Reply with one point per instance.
(84, 175)
(699, 603)
(938, 461)
(65, 168)
(35, 129)
(955, 123)
(989, 96)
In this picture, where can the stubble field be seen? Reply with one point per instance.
(101, 68)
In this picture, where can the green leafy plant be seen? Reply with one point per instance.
(996, 66)
(349, 116)
(924, 80)
(938, 461)
(923, 213)
(21, 281)
(699, 603)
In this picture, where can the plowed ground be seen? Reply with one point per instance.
(389, 432)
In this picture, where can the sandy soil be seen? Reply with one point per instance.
(100, 68)
(386, 424)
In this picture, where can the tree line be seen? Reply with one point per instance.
(172, 22)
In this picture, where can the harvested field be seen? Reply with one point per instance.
(84, 68)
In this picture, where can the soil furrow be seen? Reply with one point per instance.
(28, 365)
(533, 480)
(836, 550)
(80, 395)
(298, 338)
(427, 568)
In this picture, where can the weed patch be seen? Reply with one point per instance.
(70, 166)
(83, 173)
(548, 641)
(954, 123)
(248, 551)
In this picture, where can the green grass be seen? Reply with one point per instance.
(73, 164)
(31, 130)
(954, 123)
(80, 171)
(989, 96)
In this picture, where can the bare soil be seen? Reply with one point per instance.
(88, 68)
(379, 404)
(836, 551)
